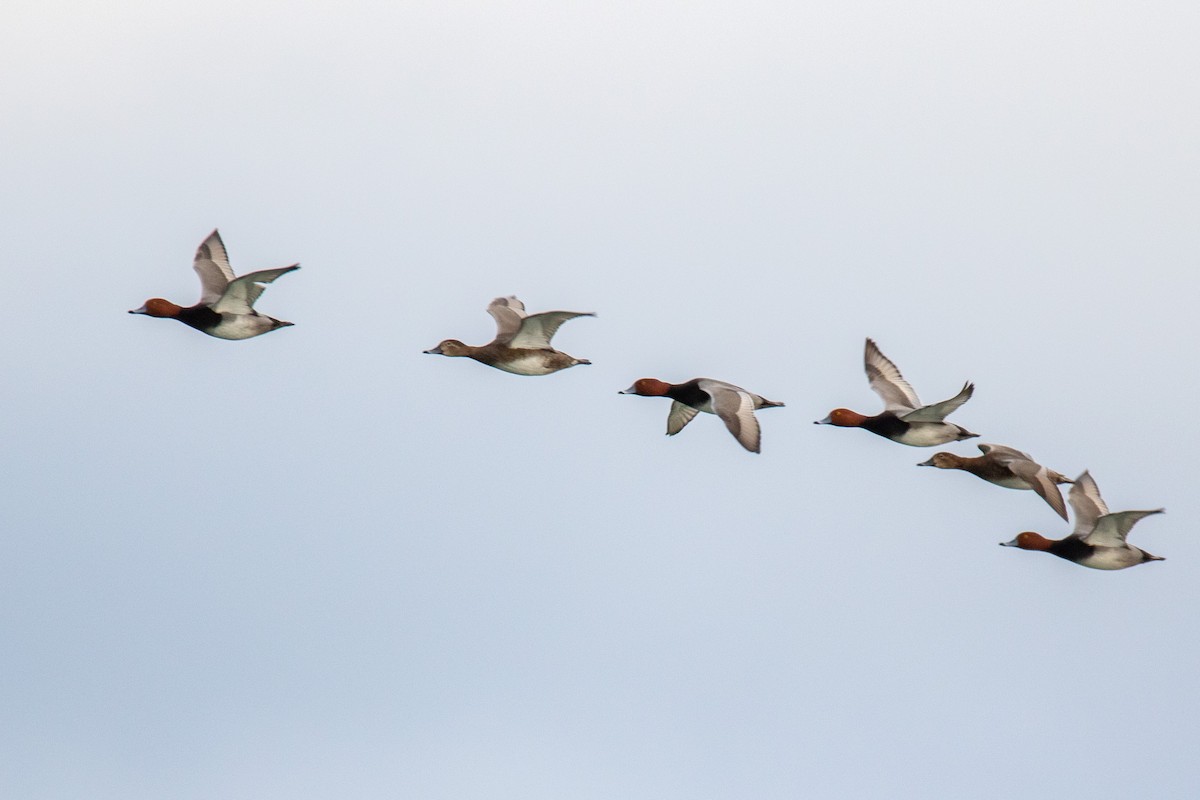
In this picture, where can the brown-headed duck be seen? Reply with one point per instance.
(522, 343)
(226, 307)
(733, 404)
(904, 419)
(1098, 540)
(1009, 468)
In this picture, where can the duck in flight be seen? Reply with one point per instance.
(226, 307)
(1009, 468)
(522, 343)
(733, 404)
(903, 419)
(1098, 540)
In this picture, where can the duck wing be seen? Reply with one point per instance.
(1087, 504)
(887, 382)
(508, 313)
(680, 416)
(1039, 479)
(1001, 451)
(212, 265)
(1111, 529)
(537, 330)
(241, 293)
(939, 411)
(736, 408)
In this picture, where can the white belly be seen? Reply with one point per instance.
(240, 326)
(1112, 558)
(1011, 482)
(531, 364)
(929, 434)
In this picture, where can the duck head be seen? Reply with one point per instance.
(843, 418)
(647, 387)
(157, 307)
(1029, 541)
(942, 461)
(449, 347)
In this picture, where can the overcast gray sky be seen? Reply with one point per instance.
(319, 564)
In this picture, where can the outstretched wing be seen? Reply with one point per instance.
(736, 409)
(939, 411)
(1039, 479)
(1086, 503)
(241, 293)
(538, 329)
(887, 382)
(680, 416)
(1111, 529)
(508, 313)
(212, 265)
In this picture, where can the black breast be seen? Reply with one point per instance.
(200, 317)
(690, 393)
(1072, 549)
(887, 425)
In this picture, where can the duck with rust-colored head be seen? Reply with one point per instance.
(1098, 540)
(226, 307)
(1009, 468)
(903, 419)
(522, 343)
(733, 404)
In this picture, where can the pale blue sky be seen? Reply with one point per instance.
(319, 564)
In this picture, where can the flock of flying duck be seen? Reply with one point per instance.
(522, 346)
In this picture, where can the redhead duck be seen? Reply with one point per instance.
(522, 343)
(733, 404)
(1009, 468)
(1098, 540)
(903, 419)
(226, 307)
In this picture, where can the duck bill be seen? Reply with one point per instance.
(1013, 543)
(433, 351)
(827, 421)
(928, 463)
(630, 390)
(141, 310)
